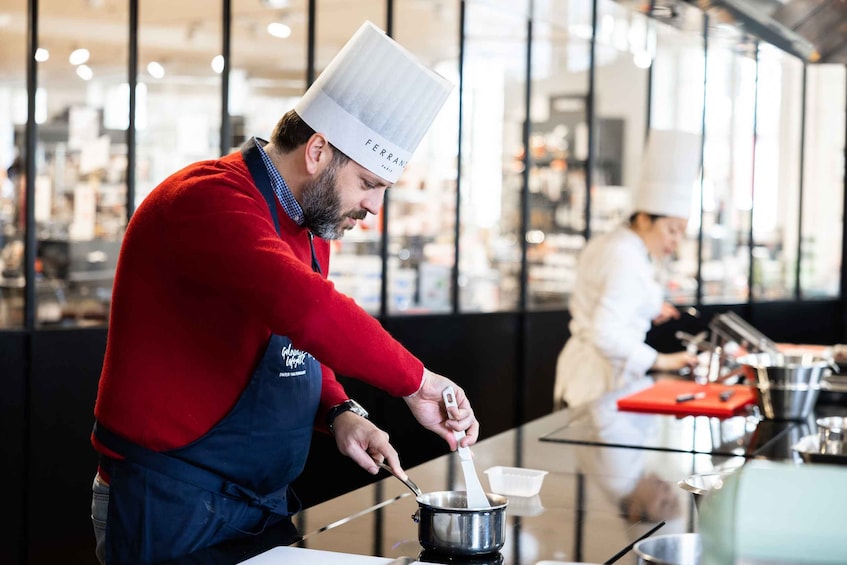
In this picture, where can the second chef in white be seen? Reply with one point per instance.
(617, 296)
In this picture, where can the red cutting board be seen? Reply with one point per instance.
(661, 398)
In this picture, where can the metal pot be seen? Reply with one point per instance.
(670, 549)
(831, 434)
(779, 369)
(787, 402)
(446, 525)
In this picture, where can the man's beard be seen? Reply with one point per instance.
(322, 206)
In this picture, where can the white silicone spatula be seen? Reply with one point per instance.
(475, 493)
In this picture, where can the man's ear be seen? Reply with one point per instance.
(317, 153)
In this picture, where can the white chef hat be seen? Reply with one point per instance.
(670, 167)
(374, 102)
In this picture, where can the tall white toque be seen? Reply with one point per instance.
(670, 167)
(374, 102)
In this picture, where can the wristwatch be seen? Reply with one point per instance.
(346, 406)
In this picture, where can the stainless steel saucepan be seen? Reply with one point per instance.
(446, 525)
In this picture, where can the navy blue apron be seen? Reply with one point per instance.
(231, 482)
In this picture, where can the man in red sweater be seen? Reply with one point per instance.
(225, 334)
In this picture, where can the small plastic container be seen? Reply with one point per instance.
(515, 481)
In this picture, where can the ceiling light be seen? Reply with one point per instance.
(42, 54)
(276, 3)
(155, 69)
(84, 72)
(278, 29)
(79, 56)
(218, 63)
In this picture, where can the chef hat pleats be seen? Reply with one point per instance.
(670, 168)
(375, 101)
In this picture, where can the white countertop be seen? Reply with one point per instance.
(286, 555)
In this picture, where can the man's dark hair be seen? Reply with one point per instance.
(291, 132)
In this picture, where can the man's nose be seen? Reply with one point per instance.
(373, 200)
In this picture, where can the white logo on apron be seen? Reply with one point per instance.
(293, 359)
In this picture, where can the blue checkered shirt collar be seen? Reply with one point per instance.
(280, 188)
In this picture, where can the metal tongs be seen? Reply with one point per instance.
(694, 343)
(732, 327)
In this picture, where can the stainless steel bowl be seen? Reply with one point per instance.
(701, 484)
(670, 549)
(831, 433)
(787, 402)
(780, 369)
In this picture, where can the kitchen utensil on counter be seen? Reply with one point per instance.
(629, 547)
(694, 343)
(781, 369)
(831, 433)
(788, 384)
(789, 402)
(730, 327)
(515, 481)
(660, 398)
(447, 525)
(476, 497)
(701, 484)
(407, 481)
(670, 549)
(809, 449)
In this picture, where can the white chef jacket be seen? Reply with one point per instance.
(614, 301)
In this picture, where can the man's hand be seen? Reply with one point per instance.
(427, 406)
(359, 439)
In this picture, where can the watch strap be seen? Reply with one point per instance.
(349, 405)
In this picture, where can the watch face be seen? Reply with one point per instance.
(356, 408)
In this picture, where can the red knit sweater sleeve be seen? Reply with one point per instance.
(227, 239)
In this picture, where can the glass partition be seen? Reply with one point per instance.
(421, 206)
(178, 97)
(776, 190)
(624, 53)
(80, 160)
(493, 115)
(676, 103)
(267, 72)
(558, 150)
(728, 166)
(13, 115)
(356, 263)
(761, 147)
(823, 181)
